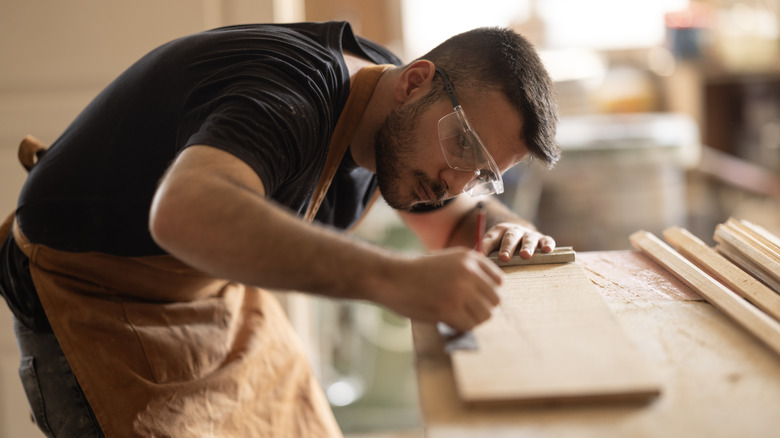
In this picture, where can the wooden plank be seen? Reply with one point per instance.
(619, 275)
(745, 314)
(563, 254)
(553, 339)
(718, 381)
(723, 270)
(748, 254)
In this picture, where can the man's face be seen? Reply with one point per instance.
(395, 146)
(410, 166)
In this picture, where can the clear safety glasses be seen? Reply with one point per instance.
(464, 150)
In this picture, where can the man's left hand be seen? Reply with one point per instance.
(509, 238)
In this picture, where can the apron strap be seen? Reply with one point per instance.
(31, 150)
(359, 95)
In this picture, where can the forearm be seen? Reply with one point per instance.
(238, 234)
(269, 248)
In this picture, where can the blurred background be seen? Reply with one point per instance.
(670, 115)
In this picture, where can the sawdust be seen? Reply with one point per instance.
(628, 276)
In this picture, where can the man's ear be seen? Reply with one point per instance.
(414, 80)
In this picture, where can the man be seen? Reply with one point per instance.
(143, 235)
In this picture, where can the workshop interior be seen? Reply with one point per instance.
(669, 117)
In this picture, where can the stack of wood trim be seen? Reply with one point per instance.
(752, 248)
(740, 278)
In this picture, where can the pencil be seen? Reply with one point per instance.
(480, 225)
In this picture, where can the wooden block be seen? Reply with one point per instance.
(553, 339)
(723, 270)
(749, 254)
(564, 254)
(745, 314)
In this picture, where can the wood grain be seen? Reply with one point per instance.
(749, 253)
(767, 242)
(723, 270)
(553, 339)
(745, 314)
(629, 276)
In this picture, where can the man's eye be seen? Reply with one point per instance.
(486, 175)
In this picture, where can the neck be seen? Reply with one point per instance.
(362, 144)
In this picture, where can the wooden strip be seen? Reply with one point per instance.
(563, 254)
(744, 234)
(748, 266)
(745, 314)
(771, 239)
(748, 255)
(768, 242)
(723, 270)
(553, 339)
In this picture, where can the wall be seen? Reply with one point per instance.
(55, 57)
(377, 20)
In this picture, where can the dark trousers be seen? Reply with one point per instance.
(57, 402)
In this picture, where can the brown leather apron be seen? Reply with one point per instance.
(161, 349)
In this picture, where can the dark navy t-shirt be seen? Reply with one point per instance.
(269, 94)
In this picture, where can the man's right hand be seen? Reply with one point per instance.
(456, 286)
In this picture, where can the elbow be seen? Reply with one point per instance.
(165, 224)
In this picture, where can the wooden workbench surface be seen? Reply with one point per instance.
(717, 380)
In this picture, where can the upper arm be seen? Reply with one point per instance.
(197, 174)
(435, 227)
(209, 163)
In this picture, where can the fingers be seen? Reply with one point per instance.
(511, 238)
(534, 241)
(529, 245)
(480, 313)
(491, 240)
(494, 278)
(463, 324)
(547, 244)
(509, 242)
(475, 313)
(479, 308)
(476, 308)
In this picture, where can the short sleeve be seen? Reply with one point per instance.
(279, 123)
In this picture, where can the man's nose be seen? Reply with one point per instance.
(459, 180)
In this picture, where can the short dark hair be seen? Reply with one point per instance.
(492, 58)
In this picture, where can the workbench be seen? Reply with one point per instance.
(717, 380)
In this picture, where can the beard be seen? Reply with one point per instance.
(394, 148)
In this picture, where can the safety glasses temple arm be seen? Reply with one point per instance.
(450, 89)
